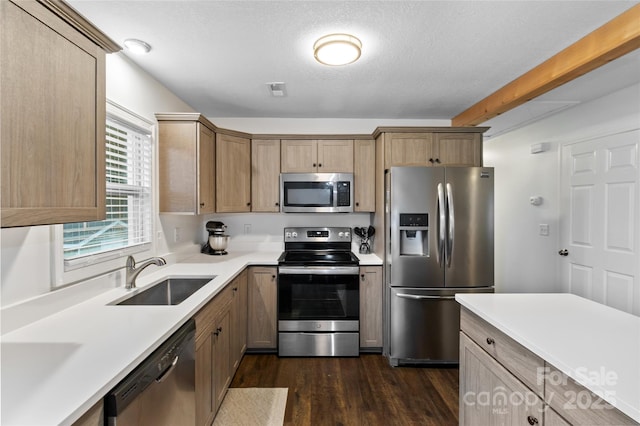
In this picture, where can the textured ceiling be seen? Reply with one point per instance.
(420, 59)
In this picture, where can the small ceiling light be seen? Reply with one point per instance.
(138, 47)
(337, 49)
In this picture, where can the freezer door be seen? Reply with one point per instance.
(424, 325)
(470, 225)
(414, 257)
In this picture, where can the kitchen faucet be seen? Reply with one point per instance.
(132, 272)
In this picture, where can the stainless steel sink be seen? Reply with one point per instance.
(171, 291)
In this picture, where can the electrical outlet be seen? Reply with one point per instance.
(544, 229)
(247, 228)
(176, 234)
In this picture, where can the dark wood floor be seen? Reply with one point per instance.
(355, 391)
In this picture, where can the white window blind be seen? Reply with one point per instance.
(128, 204)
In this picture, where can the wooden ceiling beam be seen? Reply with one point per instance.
(614, 39)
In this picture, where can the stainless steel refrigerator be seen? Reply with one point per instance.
(439, 224)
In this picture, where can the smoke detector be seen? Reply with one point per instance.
(277, 89)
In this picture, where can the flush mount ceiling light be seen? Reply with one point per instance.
(337, 49)
(137, 46)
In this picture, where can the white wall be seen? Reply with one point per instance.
(526, 261)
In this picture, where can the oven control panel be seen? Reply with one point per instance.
(319, 235)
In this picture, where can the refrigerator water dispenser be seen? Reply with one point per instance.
(414, 234)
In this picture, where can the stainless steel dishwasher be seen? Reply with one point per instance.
(161, 390)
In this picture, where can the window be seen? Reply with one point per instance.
(129, 187)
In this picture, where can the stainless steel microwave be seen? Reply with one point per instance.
(316, 192)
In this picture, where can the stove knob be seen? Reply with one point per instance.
(346, 234)
(294, 234)
(287, 234)
(340, 234)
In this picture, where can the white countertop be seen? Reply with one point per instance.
(55, 369)
(597, 346)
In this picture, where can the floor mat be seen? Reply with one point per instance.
(252, 407)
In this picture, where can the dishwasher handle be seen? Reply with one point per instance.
(167, 372)
(418, 297)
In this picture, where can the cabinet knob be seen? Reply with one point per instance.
(248, 204)
(273, 277)
(564, 252)
(313, 165)
(362, 276)
(532, 420)
(357, 204)
(431, 160)
(438, 160)
(277, 204)
(218, 331)
(235, 289)
(319, 164)
(490, 341)
(201, 204)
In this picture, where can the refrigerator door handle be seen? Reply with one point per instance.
(452, 224)
(417, 297)
(442, 220)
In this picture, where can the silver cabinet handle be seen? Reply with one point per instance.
(417, 297)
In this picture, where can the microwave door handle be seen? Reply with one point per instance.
(442, 220)
(451, 224)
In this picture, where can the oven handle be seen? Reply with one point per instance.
(319, 270)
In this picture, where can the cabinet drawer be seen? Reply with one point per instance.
(521, 362)
(579, 405)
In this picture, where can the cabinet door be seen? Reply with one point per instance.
(364, 175)
(490, 395)
(458, 149)
(335, 156)
(205, 402)
(265, 175)
(262, 332)
(206, 170)
(239, 317)
(299, 156)
(233, 174)
(371, 306)
(408, 149)
(221, 355)
(53, 119)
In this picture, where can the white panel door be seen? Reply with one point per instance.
(599, 220)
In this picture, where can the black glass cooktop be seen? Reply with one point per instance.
(317, 257)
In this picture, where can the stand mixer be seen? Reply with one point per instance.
(217, 241)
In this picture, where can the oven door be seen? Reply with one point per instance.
(320, 299)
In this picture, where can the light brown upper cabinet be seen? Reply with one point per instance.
(317, 156)
(265, 175)
(458, 148)
(53, 114)
(364, 175)
(186, 151)
(233, 173)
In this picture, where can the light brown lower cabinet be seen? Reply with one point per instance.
(239, 320)
(220, 344)
(501, 382)
(490, 394)
(262, 332)
(371, 307)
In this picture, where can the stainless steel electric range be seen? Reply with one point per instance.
(318, 293)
